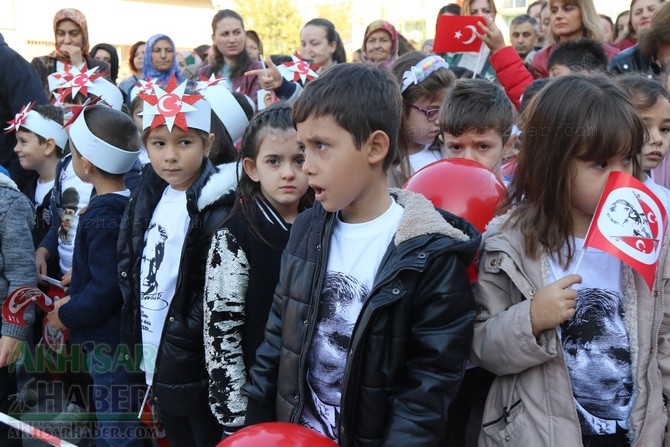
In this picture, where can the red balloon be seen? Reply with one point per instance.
(276, 434)
(462, 187)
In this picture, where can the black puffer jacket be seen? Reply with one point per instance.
(409, 346)
(632, 60)
(180, 379)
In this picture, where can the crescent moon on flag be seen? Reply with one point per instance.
(473, 37)
(640, 245)
(651, 217)
(167, 105)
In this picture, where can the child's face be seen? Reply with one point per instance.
(177, 156)
(657, 120)
(78, 163)
(558, 70)
(340, 173)
(278, 169)
(423, 127)
(485, 148)
(30, 151)
(588, 183)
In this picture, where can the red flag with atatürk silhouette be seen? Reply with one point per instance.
(629, 222)
(456, 34)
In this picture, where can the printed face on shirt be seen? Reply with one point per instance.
(566, 19)
(340, 173)
(69, 33)
(523, 37)
(278, 169)
(642, 12)
(485, 148)
(588, 182)
(417, 127)
(162, 55)
(229, 37)
(657, 121)
(32, 154)
(314, 45)
(177, 156)
(378, 46)
(597, 354)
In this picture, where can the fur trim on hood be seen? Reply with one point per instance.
(421, 218)
(8, 182)
(220, 184)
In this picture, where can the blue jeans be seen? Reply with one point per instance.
(116, 399)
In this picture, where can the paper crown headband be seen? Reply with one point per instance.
(224, 104)
(419, 72)
(298, 70)
(173, 107)
(103, 155)
(142, 86)
(71, 81)
(36, 123)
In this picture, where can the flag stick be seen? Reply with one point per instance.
(34, 432)
(579, 261)
(479, 58)
(265, 67)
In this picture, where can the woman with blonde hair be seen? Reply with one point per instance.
(570, 20)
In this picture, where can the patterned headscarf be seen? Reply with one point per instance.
(79, 19)
(386, 26)
(148, 69)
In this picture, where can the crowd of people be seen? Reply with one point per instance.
(223, 239)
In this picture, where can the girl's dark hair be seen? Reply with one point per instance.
(133, 52)
(339, 55)
(642, 91)
(223, 149)
(277, 117)
(54, 113)
(243, 62)
(574, 118)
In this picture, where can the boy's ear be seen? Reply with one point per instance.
(249, 166)
(379, 144)
(49, 146)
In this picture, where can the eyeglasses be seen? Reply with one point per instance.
(431, 114)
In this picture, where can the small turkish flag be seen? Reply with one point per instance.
(629, 223)
(456, 34)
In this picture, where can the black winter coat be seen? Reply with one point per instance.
(631, 60)
(408, 349)
(180, 378)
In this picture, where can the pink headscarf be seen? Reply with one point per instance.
(79, 19)
(386, 26)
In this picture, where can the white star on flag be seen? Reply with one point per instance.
(458, 35)
(213, 80)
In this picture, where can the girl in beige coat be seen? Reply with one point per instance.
(581, 359)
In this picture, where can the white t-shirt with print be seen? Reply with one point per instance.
(75, 195)
(354, 256)
(159, 270)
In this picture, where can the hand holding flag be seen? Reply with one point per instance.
(630, 223)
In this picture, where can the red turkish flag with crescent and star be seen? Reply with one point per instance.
(456, 34)
(629, 222)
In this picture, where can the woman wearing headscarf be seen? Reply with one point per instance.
(71, 33)
(159, 60)
(380, 44)
(107, 53)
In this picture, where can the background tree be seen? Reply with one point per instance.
(277, 22)
(340, 14)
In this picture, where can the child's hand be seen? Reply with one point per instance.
(53, 318)
(268, 79)
(553, 304)
(66, 279)
(10, 350)
(491, 35)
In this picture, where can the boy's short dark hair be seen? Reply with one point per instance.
(54, 113)
(579, 55)
(479, 105)
(361, 99)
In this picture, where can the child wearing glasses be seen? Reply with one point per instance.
(424, 81)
